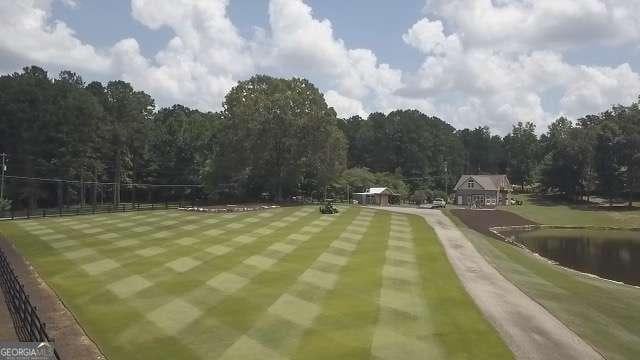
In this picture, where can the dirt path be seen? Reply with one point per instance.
(482, 220)
(529, 330)
(7, 332)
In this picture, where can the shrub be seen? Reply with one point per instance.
(5, 204)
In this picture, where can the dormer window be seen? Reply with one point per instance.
(470, 184)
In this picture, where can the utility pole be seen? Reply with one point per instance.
(446, 183)
(348, 196)
(4, 168)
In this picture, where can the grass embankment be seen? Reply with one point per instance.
(605, 314)
(286, 283)
(556, 213)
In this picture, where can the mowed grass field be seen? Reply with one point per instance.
(558, 213)
(287, 283)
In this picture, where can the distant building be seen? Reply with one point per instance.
(375, 196)
(483, 190)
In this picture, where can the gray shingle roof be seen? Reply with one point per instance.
(488, 182)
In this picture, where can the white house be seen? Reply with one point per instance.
(375, 196)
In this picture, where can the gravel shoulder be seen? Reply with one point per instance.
(7, 332)
(529, 330)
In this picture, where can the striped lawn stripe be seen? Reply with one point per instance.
(288, 283)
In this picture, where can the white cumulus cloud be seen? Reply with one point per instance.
(28, 35)
(344, 106)
(499, 61)
(302, 44)
(429, 37)
(486, 62)
(531, 24)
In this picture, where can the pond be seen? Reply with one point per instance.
(610, 254)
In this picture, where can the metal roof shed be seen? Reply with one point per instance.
(375, 196)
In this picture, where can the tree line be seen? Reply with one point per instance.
(274, 138)
(277, 138)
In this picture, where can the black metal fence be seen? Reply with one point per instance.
(87, 210)
(35, 194)
(26, 321)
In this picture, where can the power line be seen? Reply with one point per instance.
(163, 185)
(55, 180)
(100, 183)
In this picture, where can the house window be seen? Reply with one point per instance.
(470, 184)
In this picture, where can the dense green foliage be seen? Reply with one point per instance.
(274, 136)
(598, 154)
(277, 138)
(424, 150)
(360, 179)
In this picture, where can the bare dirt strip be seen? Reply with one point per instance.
(482, 220)
(70, 340)
(7, 332)
(529, 330)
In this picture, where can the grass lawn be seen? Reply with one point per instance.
(278, 284)
(604, 314)
(557, 213)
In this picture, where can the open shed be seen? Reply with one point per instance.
(380, 196)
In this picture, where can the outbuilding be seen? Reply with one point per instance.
(380, 196)
(483, 190)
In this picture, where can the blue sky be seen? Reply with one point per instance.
(470, 62)
(380, 29)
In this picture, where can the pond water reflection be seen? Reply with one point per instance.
(611, 254)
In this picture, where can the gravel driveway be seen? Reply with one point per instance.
(529, 330)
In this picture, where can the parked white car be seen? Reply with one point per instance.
(438, 203)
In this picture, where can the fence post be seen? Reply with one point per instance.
(28, 212)
(32, 326)
(29, 327)
(166, 205)
(13, 214)
(44, 213)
